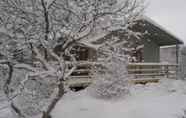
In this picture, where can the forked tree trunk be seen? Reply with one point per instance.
(61, 92)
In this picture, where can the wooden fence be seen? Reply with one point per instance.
(142, 72)
(153, 70)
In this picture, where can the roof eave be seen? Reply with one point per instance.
(171, 35)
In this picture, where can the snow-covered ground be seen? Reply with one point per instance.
(5, 112)
(166, 99)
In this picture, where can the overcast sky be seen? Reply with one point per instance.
(171, 14)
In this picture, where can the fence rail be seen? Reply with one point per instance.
(142, 72)
(153, 70)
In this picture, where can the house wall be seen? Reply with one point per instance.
(92, 55)
(86, 54)
(151, 51)
(168, 54)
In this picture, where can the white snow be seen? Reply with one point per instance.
(165, 99)
(5, 113)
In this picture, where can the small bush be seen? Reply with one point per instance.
(112, 82)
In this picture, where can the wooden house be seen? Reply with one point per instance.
(147, 63)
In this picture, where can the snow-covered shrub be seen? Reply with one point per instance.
(112, 81)
(30, 97)
(182, 63)
(36, 95)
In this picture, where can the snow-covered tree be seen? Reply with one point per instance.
(37, 35)
(112, 78)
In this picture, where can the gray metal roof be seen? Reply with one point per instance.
(155, 32)
(150, 30)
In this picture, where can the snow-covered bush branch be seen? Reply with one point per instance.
(112, 78)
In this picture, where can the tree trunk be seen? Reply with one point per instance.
(45, 115)
(61, 92)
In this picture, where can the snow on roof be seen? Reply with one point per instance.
(88, 41)
(170, 46)
(90, 45)
(148, 19)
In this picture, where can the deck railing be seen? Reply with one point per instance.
(153, 70)
(138, 70)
